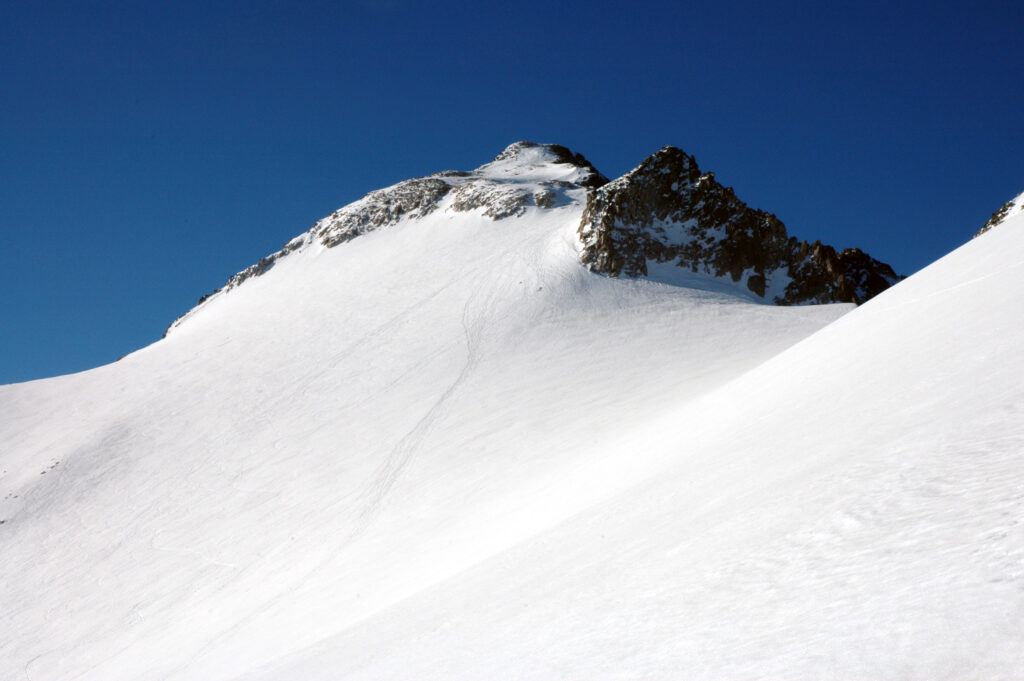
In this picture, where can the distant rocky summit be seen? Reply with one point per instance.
(1011, 207)
(664, 212)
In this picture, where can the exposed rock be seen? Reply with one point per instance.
(667, 211)
(544, 198)
(867, 276)
(410, 199)
(1014, 205)
(498, 200)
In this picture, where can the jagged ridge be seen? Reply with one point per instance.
(667, 210)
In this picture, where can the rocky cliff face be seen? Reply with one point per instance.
(667, 210)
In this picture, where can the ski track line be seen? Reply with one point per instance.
(382, 482)
(403, 451)
(278, 444)
(398, 460)
(387, 474)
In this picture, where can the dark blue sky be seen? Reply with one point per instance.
(148, 151)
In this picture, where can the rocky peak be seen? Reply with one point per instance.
(666, 210)
(1011, 207)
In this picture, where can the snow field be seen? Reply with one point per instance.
(331, 438)
(851, 508)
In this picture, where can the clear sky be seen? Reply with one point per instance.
(150, 150)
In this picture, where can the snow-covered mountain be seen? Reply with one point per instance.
(663, 218)
(454, 447)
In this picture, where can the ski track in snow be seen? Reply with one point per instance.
(473, 324)
(368, 503)
(404, 450)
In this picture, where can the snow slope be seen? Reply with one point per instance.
(852, 508)
(332, 437)
(445, 450)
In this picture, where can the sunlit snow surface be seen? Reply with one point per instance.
(444, 450)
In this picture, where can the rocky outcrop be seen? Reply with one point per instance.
(1011, 207)
(496, 201)
(413, 198)
(818, 274)
(667, 210)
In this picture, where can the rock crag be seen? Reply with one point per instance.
(666, 210)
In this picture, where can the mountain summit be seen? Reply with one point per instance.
(666, 220)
